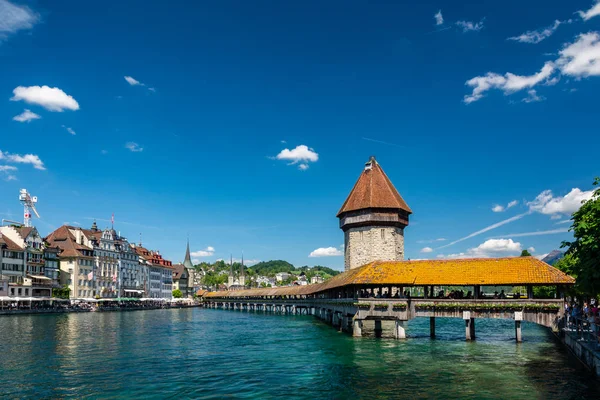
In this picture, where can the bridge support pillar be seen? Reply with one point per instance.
(378, 328)
(399, 331)
(470, 328)
(357, 328)
(432, 327)
(518, 331)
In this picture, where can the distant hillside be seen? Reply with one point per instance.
(553, 257)
(270, 268)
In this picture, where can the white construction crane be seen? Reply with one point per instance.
(28, 204)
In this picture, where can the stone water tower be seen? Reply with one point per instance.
(373, 219)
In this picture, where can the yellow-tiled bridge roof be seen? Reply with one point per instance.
(465, 272)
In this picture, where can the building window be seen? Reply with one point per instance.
(383, 233)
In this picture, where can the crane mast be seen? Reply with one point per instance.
(29, 202)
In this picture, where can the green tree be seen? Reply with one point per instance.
(585, 249)
(525, 253)
(177, 294)
(62, 292)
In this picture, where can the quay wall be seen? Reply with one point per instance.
(585, 351)
(82, 310)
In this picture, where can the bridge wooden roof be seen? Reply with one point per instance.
(509, 271)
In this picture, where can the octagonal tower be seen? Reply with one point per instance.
(373, 219)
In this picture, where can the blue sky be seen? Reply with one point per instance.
(175, 116)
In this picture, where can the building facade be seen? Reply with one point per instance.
(373, 219)
(160, 273)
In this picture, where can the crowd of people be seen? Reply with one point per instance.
(584, 318)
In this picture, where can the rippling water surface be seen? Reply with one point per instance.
(197, 353)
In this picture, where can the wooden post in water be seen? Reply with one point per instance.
(518, 319)
(432, 327)
(468, 321)
(378, 328)
(399, 331)
(472, 327)
(357, 328)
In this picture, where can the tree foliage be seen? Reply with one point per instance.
(584, 251)
(177, 294)
(525, 253)
(62, 292)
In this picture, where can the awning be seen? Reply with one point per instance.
(42, 277)
(134, 291)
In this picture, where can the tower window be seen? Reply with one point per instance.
(383, 233)
(361, 235)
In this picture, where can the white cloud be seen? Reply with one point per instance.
(581, 58)
(556, 216)
(468, 26)
(508, 83)
(531, 249)
(487, 228)
(70, 130)
(326, 252)
(541, 256)
(303, 167)
(489, 249)
(134, 147)
(498, 208)
(439, 19)
(591, 13)
(26, 116)
(532, 97)
(566, 221)
(14, 18)
(546, 203)
(537, 36)
(5, 168)
(301, 154)
(152, 89)
(426, 250)
(512, 204)
(23, 159)
(52, 99)
(209, 251)
(132, 81)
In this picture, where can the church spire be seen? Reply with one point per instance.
(188, 260)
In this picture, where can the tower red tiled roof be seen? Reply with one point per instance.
(373, 190)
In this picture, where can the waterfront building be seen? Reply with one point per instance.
(30, 241)
(373, 219)
(194, 277)
(76, 260)
(181, 279)
(160, 273)
(316, 279)
(12, 261)
(51, 267)
(239, 282)
(282, 276)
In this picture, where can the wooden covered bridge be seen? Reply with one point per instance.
(402, 290)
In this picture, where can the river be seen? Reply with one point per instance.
(205, 353)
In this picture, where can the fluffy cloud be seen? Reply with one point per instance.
(132, 81)
(52, 99)
(489, 249)
(426, 250)
(508, 83)
(134, 147)
(326, 252)
(537, 36)
(591, 13)
(6, 172)
(468, 26)
(547, 203)
(14, 18)
(439, 19)
(70, 130)
(531, 249)
(301, 154)
(26, 116)
(23, 159)
(209, 251)
(581, 58)
(532, 97)
(500, 208)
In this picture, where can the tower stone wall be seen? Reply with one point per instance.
(366, 244)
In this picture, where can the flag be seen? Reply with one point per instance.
(115, 277)
(90, 276)
(112, 219)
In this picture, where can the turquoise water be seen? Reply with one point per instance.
(197, 353)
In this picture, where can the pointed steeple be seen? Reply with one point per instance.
(374, 190)
(188, 260)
